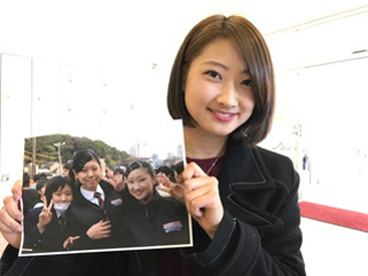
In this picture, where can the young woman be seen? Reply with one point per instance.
(243, 198)
(45, 227)
(149, 219)
(96, 203)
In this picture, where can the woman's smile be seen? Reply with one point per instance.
(222, 116)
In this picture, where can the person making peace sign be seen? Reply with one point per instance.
(45, 227)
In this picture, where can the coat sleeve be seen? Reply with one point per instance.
(9, 256)
(239, 249)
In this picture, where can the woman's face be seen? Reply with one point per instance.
(218, 93)
(140, 185)
(90, 176)
(63, 195)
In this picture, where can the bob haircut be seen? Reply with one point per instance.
(252, 47)
(80, 159)
(139, 165)
(56, 183)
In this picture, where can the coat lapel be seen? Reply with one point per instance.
(245, 184)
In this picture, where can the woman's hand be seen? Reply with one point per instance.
(202, 198)
(69, 241)
(11, 216)
(45, 216)
(175, 190)
(100, 230)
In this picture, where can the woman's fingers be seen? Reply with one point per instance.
(8, 224)
(192, 170)
(11, 207)
(50, 205)
(200, 197)
(196, 183)
(69, 241)
(44, 202)
(10, 228)
(17, 190)
(105, 226)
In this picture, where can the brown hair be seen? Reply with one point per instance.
(254, 50)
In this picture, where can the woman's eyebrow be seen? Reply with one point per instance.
(216, 63)
(219, 64)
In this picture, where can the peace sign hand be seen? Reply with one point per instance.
(175, 190)
(45, 216)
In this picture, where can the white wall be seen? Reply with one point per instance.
(322, 90)
(104, 58)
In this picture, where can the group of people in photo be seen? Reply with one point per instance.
(125, 208)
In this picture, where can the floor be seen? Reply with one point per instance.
(330, 249)
(333, 250)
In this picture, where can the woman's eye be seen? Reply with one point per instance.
(213, 74)
(247, 82)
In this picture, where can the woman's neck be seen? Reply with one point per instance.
(199, 145)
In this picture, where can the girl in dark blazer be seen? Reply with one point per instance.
(149, 219)
(243, 199)
(96, 204)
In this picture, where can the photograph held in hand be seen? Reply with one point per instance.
(105, 201)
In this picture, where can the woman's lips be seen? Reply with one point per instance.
(222, 116)
(138, 193)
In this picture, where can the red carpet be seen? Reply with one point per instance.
(341, 217)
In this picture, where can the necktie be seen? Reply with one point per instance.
(62, 221)
(100, 202)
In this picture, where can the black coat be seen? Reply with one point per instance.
(259, 234)
(51, 240)
(83, 214)
(162, 221)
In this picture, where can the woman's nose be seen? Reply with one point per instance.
(227, 96)
(134, 186)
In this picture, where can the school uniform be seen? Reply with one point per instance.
(83, 213)
(162, 221)
(51, 239)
